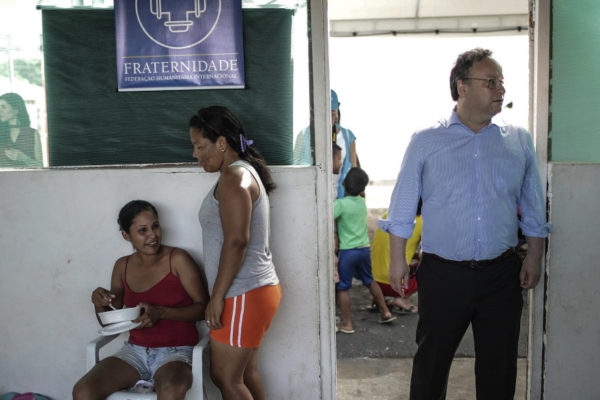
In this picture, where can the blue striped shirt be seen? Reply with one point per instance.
(472, 185)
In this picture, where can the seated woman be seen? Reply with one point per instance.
(167, 283)
(20, 144)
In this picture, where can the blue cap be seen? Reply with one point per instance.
(335, 104)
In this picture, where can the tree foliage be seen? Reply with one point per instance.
(28, 70)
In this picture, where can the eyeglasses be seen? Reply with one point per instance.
(491, 83)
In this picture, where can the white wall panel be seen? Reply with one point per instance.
(59, 240)
(573, 294)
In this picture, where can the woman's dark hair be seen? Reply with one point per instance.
(16, 102)
(217, 121)
(356, 181)
(131, 210)
(338, 123)
(335, 148)
(463, 65)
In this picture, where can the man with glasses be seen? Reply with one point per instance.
(473, 175)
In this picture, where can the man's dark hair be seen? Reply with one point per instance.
(463, 65)
(356, 181)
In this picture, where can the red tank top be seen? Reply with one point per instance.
(167, 292)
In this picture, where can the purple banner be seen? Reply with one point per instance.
(179, 44)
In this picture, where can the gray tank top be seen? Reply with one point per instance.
(257, 269)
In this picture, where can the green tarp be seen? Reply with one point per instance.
(90, 123)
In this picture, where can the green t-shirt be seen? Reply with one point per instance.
(350, 213)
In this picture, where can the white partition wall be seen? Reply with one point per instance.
(573, 298)
(59, 240)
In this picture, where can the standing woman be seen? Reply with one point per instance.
(20, 144)
(234, 216)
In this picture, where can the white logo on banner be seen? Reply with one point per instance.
(178, 24)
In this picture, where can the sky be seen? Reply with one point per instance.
(389, 87)
(20, 19)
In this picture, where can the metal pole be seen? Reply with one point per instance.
(11, 63)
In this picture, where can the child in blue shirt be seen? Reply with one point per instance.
(350, 213)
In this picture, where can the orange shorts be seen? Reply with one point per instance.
(247, 317)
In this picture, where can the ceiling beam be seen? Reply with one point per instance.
(504, 23)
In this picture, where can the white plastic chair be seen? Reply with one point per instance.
(201, 388)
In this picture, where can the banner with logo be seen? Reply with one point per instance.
(179, 44)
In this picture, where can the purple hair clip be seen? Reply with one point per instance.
(245, 143)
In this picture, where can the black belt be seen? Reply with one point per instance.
(476, 264)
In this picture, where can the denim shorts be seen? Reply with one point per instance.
(351, 261)
(148, 359)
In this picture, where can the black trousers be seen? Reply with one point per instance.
(451, 297)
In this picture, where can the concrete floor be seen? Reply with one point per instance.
(389, 378)
(376, 361)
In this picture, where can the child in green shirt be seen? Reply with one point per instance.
(350, 213)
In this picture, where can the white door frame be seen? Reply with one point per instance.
(321, 125)
(540, 42)
(539, 62)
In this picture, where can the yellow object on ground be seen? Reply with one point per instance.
(380, 250)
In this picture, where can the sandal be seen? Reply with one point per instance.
(403, 311)
(338, 329)
(373, 308)
(387, 320)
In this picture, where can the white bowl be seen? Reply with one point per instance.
(124, 314)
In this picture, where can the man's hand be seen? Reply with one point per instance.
(399, 276)
(532, 264)
(398, 268)
(530, 272)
